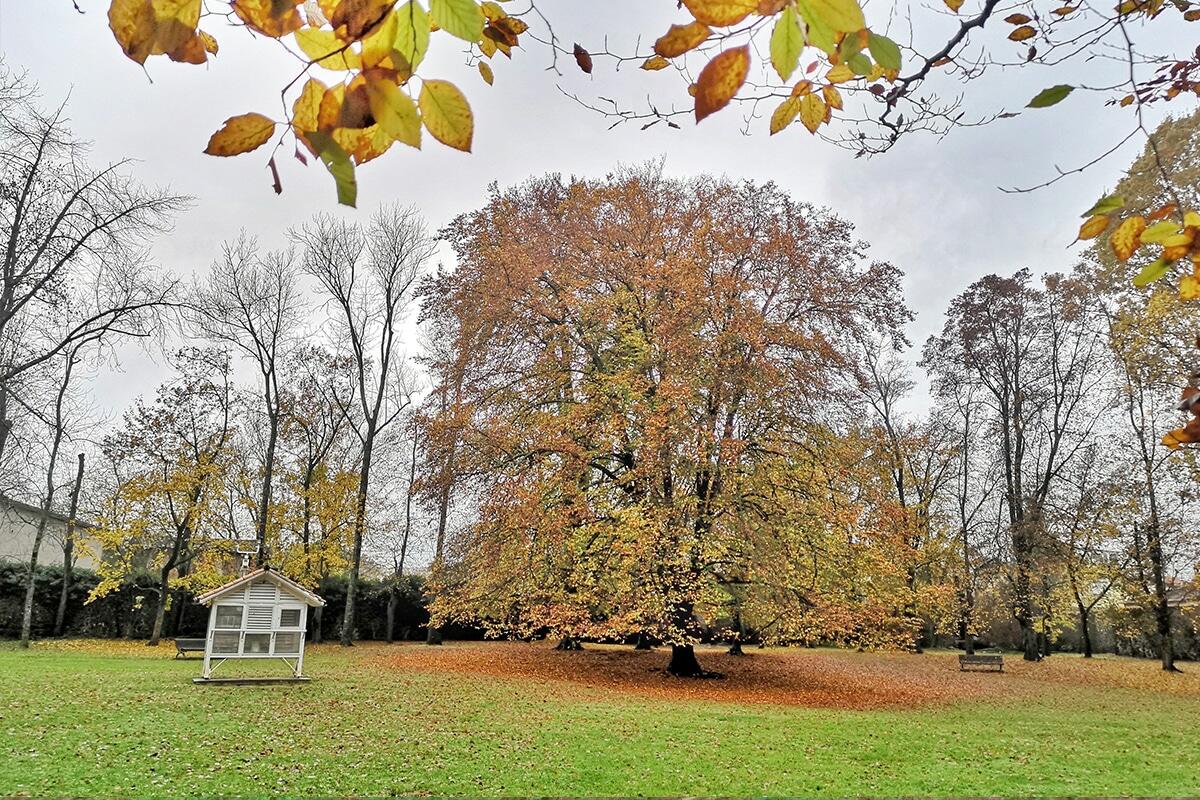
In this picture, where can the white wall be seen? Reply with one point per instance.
(18, 526)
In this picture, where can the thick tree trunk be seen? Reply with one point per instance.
(1085, 625)
(643, 642)
(160, 607)
(1166, 644)
(433, 635)
(393, 601)
(568, 643)
(735, 649)
(360, 519)
(683, 663)
(317, 614)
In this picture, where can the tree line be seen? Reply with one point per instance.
(642, 407)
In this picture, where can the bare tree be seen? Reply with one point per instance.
(68, 549)
(253, 303)
(71, 245)
(368, 274)
(1034, 353)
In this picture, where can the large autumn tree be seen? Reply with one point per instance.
(630, 354)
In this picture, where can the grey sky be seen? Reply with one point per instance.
(931, 207)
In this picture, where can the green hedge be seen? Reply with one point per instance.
(129, 611)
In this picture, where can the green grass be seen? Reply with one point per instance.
(118, 722)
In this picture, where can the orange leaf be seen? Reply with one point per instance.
(1126, 238)
(720, 80)
(721, 12)
(681, 38)
(274, 18)
(655, 63)
(1022, 33)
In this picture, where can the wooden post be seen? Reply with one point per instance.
(208, 637)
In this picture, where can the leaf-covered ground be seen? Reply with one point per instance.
(109, 718)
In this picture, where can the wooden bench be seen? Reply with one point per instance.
(184, 646)
(986, 662)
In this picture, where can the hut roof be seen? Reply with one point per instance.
(271, 575)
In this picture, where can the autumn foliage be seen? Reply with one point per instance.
(645, 369)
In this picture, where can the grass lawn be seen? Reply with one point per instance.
(83, 718)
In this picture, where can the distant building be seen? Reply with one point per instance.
(18, 527)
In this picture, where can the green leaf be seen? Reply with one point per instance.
(885, 52)
(461, 18)
(1159, 232)
(1105, 205)
(1152, 272)
(860, 64)
(1051, 96)
(395, 112)
(787, 41)
(839, 16)
(412, 33)
(339, 165)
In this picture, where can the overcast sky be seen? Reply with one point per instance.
(931, 207)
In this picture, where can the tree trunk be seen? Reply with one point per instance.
(1166, 644)
(60, 619)
(1085, 623)
(683, 663)
(643, 642)
(27, 610)
(735, 649)
(569, 643)
(317, 614)
(160, 607)
(393, 601)
(264, 507)
(360, 519)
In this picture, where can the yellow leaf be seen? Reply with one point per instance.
(144, 28)
(446, 114)
(241, 134)
(210, 43)
(954, 5)
(784, 114)
(679, 39)
(720, 12)
(377, 46)
(720, 80)
(1189, 288)
(840, 74)
(1191, 219)
(802, 88)
(326, 49)
(812, 112)
(1022, 33)
(274, 18)
(1093, 227)
(655, 63)
(833, 98)
(486, 73)
(306, 109)
(1124, 239)
(394, 112)
(461, 18)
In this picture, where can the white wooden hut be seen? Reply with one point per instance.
(260, 615)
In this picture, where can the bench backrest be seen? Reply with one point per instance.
(190, 644)
(981, 659)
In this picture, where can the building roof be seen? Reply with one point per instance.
(271, 575)
(12, 502)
